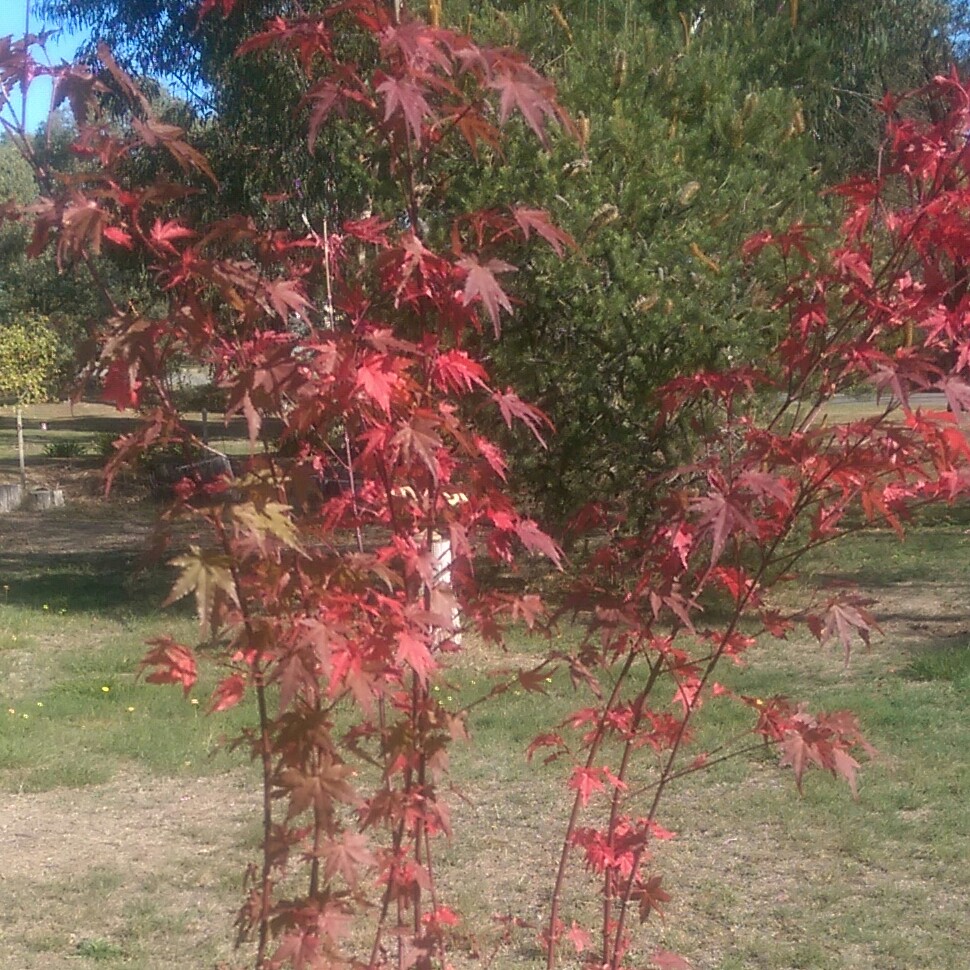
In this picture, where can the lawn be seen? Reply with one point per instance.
(125, 825)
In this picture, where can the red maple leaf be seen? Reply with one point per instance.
(512, 406)
(579, 937)
(844, 620)
(175, 663)
(586, 781)
(287, 297)
(346, 856)
(535, 540)
(377, 380)
(538, 221)
(228, 693)
(531, 94)
(414, 652)
(164, 233)
(481, 284)
(225, 7)
(456, 371)
(650, 897)
(722, 515)
(854, 265)
(408, 98)
(120, 237)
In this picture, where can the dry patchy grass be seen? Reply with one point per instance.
(139, 867)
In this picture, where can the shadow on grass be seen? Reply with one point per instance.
(94, 582)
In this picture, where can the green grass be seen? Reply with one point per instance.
(90, 716)
(100, 951)
(950, 664)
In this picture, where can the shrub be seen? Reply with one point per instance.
(66, 448)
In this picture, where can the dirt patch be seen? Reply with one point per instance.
(134, 871)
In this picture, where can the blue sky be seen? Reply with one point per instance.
(12, 17)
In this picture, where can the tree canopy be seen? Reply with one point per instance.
(699, 124)
(28, 358)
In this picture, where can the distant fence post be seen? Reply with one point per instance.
(20, 448)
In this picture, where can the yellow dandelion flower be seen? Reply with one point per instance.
(106, 689)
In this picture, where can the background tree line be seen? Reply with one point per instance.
(698, 124)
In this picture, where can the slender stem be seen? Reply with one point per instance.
(574, 814)
(265, 749)
(628, 749)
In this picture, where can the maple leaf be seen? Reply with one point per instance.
(268, 519)
(957, 394)
(176, 663)
(528, 608)
(512, 406)
(347, 857)
(120, 385)
(493, 456)
(546, 741)
(82, 226)
(854, 265)
(455, 370)
(370, 230)
(419, 438)
(377, 380)
(722, 515)
(127, 86)
(209, 575)
(164, 233)
(78, 86)
(650, 897)
(535, 540)
(579, 937)
(531, 94)
(844, 620)
(225, 7)
(228, 693)
(170, 137)
(300, 948)
(441, 916)
(481, 284)
(120, 237)
(538, 221)
(413, 651)
(845, 765)
(287, 297)
(408, 98)
(474, 128)
(586, 781)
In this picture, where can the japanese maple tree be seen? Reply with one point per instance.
(772, 479)
(320, 578)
